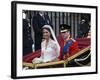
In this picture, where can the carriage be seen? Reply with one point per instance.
(81, 58)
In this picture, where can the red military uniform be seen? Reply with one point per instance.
(73, 48)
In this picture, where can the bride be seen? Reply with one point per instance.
(50, 48)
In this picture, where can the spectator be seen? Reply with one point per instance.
(38, 21)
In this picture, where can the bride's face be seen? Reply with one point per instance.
(46, 34)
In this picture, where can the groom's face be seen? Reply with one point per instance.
(65, 34)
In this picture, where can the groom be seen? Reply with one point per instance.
(68, 45)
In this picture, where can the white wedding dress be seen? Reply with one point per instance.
(48, 53)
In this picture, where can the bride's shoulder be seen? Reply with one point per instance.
(53, 42)
(43, 42)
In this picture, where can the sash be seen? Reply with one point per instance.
(66, 47)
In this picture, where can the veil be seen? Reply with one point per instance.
(54, 37)
(39, 60)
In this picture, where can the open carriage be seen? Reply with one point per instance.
(81, 57)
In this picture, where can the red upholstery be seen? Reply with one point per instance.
(83, 42)
(28, 58)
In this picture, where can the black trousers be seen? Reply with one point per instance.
(38, 40)
(27, 50)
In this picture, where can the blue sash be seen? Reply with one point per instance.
(66, 47)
